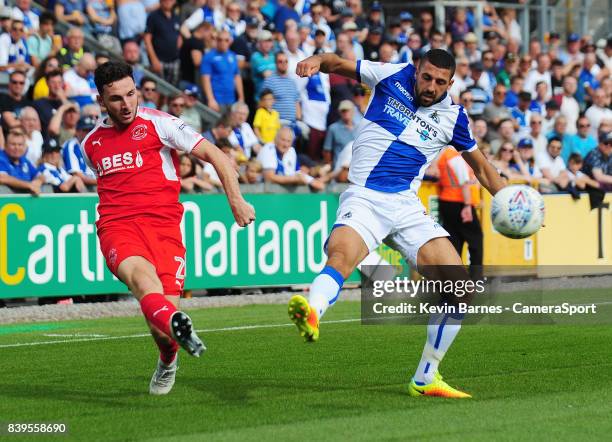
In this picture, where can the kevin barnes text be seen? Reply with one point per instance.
(405, 308)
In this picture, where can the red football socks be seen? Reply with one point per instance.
(158, 310)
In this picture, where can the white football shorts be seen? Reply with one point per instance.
(400, 221)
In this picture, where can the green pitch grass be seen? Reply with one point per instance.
(264, 383)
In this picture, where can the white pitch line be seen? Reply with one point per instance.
(144, 335)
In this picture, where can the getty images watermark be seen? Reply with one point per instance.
(496, 295)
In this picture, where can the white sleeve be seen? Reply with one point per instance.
(5, 44)
(370, 72)
(460, 168)
(175, 133)
(542, 161)
(50, 178)
(194, 19)
(248, 136)
(267, 157)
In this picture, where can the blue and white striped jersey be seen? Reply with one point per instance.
(397, 140)
(73, 158)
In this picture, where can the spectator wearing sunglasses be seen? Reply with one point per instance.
(14, 53)
(598, 163)
(13, 101)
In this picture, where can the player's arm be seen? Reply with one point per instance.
(206, 151)
(484, 171)
(327, 63)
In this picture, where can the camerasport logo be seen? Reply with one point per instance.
(139, 132)
(119, 162)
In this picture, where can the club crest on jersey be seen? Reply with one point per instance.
(139, 132)
(434, 116)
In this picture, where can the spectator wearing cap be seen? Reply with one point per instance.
(339, 133)
(568, 105)
(320, 45)
(204, 13)
(242, 134)
(70, 54)
(375, 16)
(13, 101)
(30, 123)
(14, 53)
(598, 163)
(163, 41)
(263, 63)
(245, 45)
(43, 42)
(552, 165)
(599, 110)
(346, 16)
(16, 171)
(47, 107)
(54, 174)
(280, 162)
(30, 19)
(472, 52)
(537, 133)
(572, 55)
(190, 114)
(521, 114)
(496, 110)
(372, 44)
(406, 22)
(79, 81)
(582, 142)
(72, 154)
(480, 95)
(349, 30)
(525, 161)
(221, 80)
(541, 73)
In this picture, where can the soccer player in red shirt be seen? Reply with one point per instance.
(134, 153)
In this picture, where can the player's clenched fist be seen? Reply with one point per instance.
(244, 213)
(309, 66)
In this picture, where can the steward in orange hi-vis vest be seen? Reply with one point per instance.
(454, 173)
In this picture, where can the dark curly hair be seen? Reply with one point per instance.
(110, 72)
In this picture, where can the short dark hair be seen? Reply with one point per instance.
(47, 17)
(440, 59)
(265, 92)
(110, 72)
(54, 73)
(524, 96)
(12, 74)
(575, 158)
(225, 121)
(555, 138)
(223, 142)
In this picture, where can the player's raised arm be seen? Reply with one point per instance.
(484, 171)
(327, 63)
(243, 212)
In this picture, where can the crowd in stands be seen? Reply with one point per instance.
(540, 112)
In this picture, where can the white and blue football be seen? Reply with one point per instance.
(517, 211)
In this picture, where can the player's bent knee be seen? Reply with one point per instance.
(140, 276)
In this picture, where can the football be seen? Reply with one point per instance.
(517, 211)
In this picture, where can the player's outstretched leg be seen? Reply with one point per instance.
(441, 330)
(345, 250)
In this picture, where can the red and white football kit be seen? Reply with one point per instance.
(138, 186)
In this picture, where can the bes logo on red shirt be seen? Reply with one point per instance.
(119, 162)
